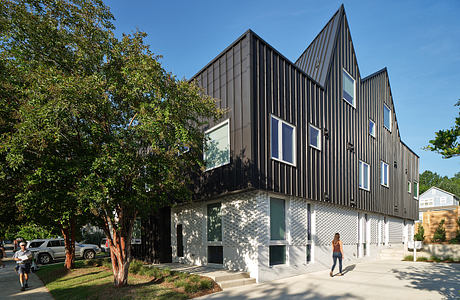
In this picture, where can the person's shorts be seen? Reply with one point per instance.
(24, 269)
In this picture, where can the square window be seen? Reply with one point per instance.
(277, 255)
(282, 141)
(371, 128)
(315, 137)
(215, 255)
(349, 88)
(386, 117)
(364, 179)
(277, 219)
(217, 146)
(384, 174)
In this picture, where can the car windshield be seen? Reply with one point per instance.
(36, 244)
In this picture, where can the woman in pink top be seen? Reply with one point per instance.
(337, 253)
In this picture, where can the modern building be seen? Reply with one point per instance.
(306, 149)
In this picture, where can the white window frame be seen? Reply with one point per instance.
(443, 200)
(360, 170)
(319, 137)
(409, 187)
(372, 134)
(229, 145)
(416, 189)
(280, 141)
(390, 116)
(382, 163)
(354, 89)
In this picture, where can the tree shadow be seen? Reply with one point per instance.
(443, 278)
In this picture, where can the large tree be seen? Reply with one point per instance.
(447, 142)
(146, 139)
(429, 179)
(52, 52)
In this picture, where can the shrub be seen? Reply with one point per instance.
(422, 258)
(435, 258)
(408, 258)
(420, 235)
(440, 233)
(205, 284)
(190, 288)
(194, 278)
(180, 283)
(135, 267)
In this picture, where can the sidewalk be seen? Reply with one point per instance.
(10, 287)
(380, 279)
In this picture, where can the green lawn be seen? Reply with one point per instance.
(94, 280)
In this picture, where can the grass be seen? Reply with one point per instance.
(93, 279)
(433, 258)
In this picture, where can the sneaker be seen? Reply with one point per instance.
(330, 274)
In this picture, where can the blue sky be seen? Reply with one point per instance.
(418, 41)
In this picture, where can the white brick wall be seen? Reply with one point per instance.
(298, 221)
(331, 219)
(374, 219)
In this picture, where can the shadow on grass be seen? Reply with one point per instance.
(442, 278)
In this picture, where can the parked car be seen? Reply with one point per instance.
(8, 245)
(47, 250)
(105, 245)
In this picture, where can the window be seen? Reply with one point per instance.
(277, 255)
(364, 179)
(277, 219)
(308, 253)
(384, 174)
(426, 202)
(386, 117)
(214, 223)
(409, 187)
(315, 137)
(349, 88)
(282, 141)
(215, 255)
(442, 200)
(180, 241)
(36, 244)
(217, 146)
(415, 190)
(371, 128)
(54, 243)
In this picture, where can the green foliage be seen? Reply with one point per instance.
(205, 284)
(456, 239)
(422, 258)
(420, 235)
(447, 142)
(92, 237)
(33, 231)
(435, 258)
(428, 179)
(440, 233)
(408, 258)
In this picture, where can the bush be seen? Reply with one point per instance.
(440, 233)
(180, 283)
(191, 288)
(420, 235)
(422, 258)
(408, 258)
(135, 267)
(435, 258)
(205, 284)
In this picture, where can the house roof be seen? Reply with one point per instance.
(435, 187)
(317, 58)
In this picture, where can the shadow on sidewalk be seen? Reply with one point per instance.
(348, 269)
(442, 277)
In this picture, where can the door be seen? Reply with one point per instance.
(57, 248)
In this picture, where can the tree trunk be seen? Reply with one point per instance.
(68, 232)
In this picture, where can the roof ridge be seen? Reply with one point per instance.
(384, 69)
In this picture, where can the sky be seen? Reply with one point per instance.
(418, 42)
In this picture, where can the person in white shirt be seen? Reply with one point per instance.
(23, 258)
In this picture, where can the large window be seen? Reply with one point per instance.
(217, 146)
(384, 174)
(371, 128)
(315, 137)
(349, 88)
(277, 253)
(386, 117)
(282, 141)
(415, 189)
(364, 179)
(214, 222)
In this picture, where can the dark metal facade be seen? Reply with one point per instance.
(254, 81)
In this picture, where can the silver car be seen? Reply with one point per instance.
(47, 250)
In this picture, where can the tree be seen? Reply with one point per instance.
(440, 232)
(51, 52)
(429, 179)
(148, 119)
(420, 235)
(447, 142)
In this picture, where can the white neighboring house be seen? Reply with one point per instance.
(436, 199)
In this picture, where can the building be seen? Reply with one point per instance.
(306, 149)
(435, 205)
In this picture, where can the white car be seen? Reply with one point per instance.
(47, 250)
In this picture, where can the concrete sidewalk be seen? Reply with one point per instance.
(10, 287)
(381, 279)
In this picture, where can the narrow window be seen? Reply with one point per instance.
(386, 117)
(217, 146)
(214, 222)
(371, 128)
(409, 187)
(308, 253)
(364, 179)
(282, 141)
(277, 219)
(309, 222)
(277, 255)
(349, 88)
(315, 137)
(384, 174)
(180, 241)
(415, 190)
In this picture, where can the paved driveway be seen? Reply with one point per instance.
(382, 279)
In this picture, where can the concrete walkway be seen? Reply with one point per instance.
(11, 289)
(381, 279)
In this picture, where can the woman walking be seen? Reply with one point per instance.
(337, 253)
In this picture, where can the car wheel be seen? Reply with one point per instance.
(89, 254)
(44, 258)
